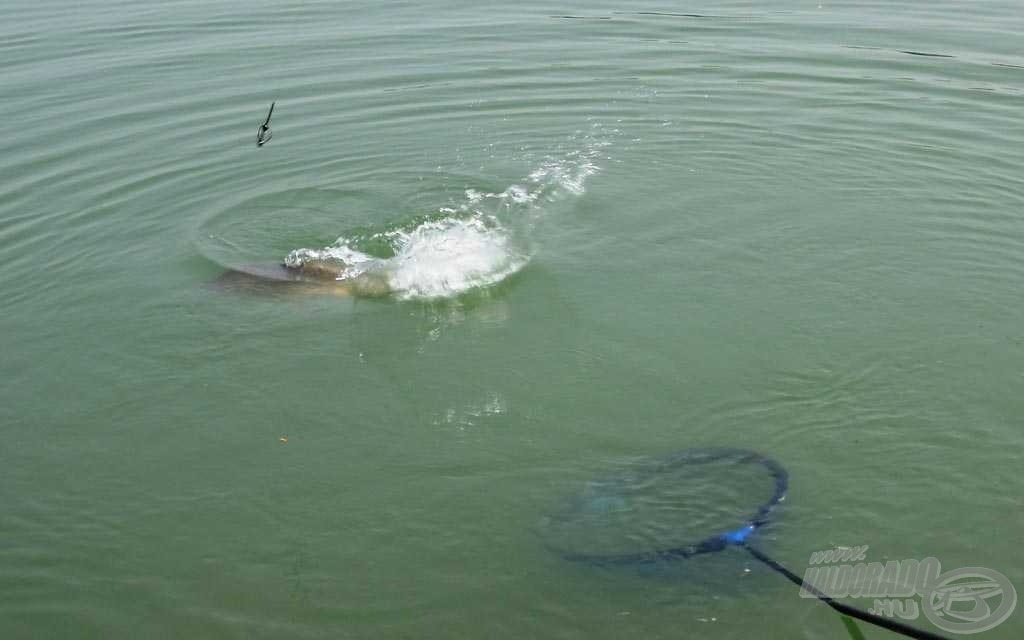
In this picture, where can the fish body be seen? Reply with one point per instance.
(264, 134)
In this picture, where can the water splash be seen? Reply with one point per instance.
(475, 243)
(445, 258)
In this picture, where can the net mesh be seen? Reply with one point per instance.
(678, 505)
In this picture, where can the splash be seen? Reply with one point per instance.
(445, 258)
(472, 244)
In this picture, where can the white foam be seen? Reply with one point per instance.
(471, 245)
(444, 258)
(570, 176)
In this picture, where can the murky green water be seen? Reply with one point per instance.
(610, 230)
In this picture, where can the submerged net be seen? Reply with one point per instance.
(695, 501)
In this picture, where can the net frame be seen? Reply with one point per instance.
(716, 541)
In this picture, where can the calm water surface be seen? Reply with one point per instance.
(610, 230)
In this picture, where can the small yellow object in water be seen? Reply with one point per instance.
(283, 439)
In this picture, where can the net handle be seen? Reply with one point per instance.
(853, 612)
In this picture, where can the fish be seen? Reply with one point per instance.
(312, 277)
(264, 134)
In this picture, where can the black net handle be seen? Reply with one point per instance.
(845, 609)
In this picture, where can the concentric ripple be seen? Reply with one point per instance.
(471, 242)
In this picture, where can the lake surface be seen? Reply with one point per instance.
(610, 231)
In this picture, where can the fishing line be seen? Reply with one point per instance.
(694, 502)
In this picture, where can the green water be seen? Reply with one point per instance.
(619, 234)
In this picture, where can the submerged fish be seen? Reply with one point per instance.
(323, 277)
